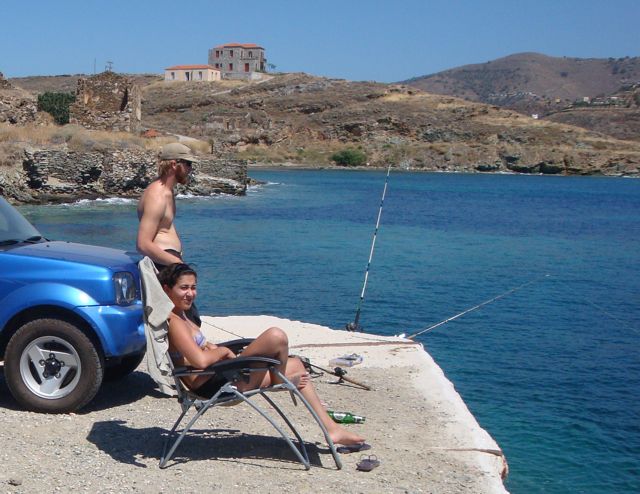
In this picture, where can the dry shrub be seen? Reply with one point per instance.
(263, 154)
(34, 134)
(80, 139)
(599, 145)
(11, 154)
(198, 147)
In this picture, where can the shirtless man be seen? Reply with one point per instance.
(157, 235)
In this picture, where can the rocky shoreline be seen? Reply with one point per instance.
(60, 175)
(497, 170)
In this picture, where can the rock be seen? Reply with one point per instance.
(488, 168)
(59, 175)
(551, 168)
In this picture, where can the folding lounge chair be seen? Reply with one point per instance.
(157, 307)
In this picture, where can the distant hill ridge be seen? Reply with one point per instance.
(600, 94)
(528, 75)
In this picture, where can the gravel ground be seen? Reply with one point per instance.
(114, 444)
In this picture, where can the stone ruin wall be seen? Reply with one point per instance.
(15, 107)
(107, 101)
(4, 83)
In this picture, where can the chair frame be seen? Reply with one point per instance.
(233, 371)
(169, 378)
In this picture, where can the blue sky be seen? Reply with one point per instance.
(380, 40)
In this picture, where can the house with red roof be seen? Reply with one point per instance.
(195, 73)
(239, 60)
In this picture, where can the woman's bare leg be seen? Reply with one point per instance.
(275, 343)
(272, 343)
(338, 434)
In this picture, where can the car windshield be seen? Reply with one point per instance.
(14, 227)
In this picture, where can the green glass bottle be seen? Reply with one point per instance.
(345, 417)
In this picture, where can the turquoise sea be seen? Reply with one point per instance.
(552, 371)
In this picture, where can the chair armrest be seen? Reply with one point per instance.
(233, 364)
(237, 345)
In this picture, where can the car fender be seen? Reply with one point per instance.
(42, 294)
(119, 329)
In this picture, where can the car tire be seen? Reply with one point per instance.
(123, 368)
(51, 366)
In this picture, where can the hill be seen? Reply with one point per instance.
(300, 118)
(617, 114)
(304, 119)
(531, 83)
(527, 81)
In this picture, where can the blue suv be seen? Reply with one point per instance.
(70, 316)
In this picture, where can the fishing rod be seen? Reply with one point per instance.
(339, 372)
(354, 326)
(486, 302)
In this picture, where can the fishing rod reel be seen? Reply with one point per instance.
(339, 372)
(353, 326)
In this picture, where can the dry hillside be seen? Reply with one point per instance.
(301, 118)
(531, 83)
(527, 77)
(304, 119)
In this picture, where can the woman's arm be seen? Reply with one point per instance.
(181, 339)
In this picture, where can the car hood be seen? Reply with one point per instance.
(81, 253)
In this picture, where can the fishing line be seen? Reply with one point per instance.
(601, 309)
(482, 304)
(354, 326)
(222, 329)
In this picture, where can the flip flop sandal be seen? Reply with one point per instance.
(367, 463)
(353, 448)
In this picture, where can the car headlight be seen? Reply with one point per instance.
(125, 288)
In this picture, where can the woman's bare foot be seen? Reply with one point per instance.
(344, 437)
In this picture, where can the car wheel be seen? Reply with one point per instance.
(123, 368)
(52, 367)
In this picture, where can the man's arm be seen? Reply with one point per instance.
(153, 212)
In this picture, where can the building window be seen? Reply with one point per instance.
(173, 76)
(231, 53)
(200, 75)
(230, 66)
(250, 54)
(217, 53)
(186, 76)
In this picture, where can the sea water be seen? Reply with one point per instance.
(551, 370)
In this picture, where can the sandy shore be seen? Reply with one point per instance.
(418, 426)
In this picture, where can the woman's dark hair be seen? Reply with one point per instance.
(171, 274)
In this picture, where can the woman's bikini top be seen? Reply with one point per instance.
(199, 339)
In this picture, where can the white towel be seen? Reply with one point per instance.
(157, 307)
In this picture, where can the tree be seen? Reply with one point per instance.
(349, 157)
(57, 105)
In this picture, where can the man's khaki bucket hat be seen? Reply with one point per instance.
(177, 151)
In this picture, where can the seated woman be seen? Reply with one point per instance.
(188, 346)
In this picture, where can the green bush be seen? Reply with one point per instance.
(57, 105)
(349, 157)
